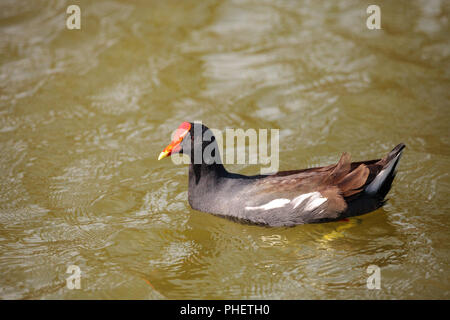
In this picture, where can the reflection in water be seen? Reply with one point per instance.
(84, 114)
(273, 240)
(339, 232)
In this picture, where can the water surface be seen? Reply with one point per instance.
(85, 113)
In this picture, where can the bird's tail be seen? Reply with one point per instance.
(382, 182)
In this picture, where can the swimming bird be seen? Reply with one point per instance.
(286, 198)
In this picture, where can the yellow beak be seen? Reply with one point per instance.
(163, 154)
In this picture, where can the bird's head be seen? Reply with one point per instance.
(191, 139)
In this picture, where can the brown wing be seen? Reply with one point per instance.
(348, 177)
(349, 181)
(335, 182)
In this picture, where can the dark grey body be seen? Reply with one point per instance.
(216, 191)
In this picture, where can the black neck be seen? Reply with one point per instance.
(204, 181)
(203, 171)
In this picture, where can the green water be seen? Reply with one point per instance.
(85, 113)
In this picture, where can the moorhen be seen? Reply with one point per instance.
(286, 198)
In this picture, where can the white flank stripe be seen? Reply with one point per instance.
(314, 203)
(298, 200)
(312, 199)
(277, 203)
